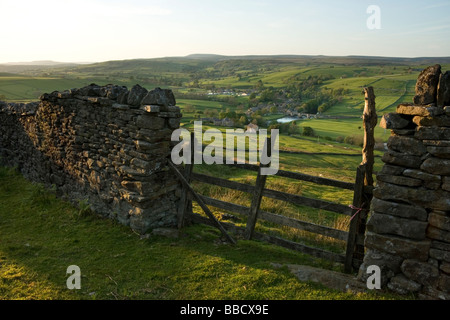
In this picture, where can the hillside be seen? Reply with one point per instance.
(249, 88)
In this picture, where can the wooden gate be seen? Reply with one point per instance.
(354, 236)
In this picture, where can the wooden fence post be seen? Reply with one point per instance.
(364, 178)
(201, 203)
(257, 196)
(369, 121)
(358, 197)
(185, 203)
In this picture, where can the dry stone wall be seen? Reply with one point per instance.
(104, 144)
(408, 232)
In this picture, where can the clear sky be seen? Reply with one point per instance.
(98, 30)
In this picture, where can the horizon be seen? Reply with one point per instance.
(46, 61)
(97, 31)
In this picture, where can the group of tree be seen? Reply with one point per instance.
(319, 104)
(306, 88)
(308, 94)
(293, 128)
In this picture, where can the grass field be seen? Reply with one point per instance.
(42, 236)
(24, 89)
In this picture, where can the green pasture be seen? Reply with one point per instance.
(335, 128)
(19, 88)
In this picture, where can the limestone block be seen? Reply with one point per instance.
(91, 90)
(427, 85)
(159, 97)
(432, 133)
(399, 209)
(140, 186)
(443, 201)
(445, 267)
(150, 122)
(440, 121)
(169, 114)
(438, 234)
(419, 110)
(443, 90)
(395, 245)
(414, 196)
(112, 91)
(100, 101)
(174, 108)
(436, 166)
(403, 285)
(390, 169)
(441, 255)
(387, 224)
(440, 152)
(119, 106)
(421, 272)
(66, 94)
(435, 293)
(122, 98)
(380, 258)
(174, 123)
(131, 173)
(136, 94)
(393, 121)
(400, 159)
(431, 181)
(446, 183)
(406, 145)
(444, 282)
(136, 162)
(400, 180)
(439, 220)
(154, 136)
(151, 109)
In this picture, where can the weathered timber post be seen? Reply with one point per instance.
(364, 179)
(355, 222)
(369, 121)
(185, 203)
(201, 203)
(257, 196)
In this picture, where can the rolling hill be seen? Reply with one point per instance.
(196, 75)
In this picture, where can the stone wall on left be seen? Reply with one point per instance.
(103, 144)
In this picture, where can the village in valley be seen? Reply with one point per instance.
(282, 111)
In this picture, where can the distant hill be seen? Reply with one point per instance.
(344, 60)
(201, 56)
(194, 63)
(39, 63)
(37, 66)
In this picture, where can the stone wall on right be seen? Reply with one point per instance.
(408, 232)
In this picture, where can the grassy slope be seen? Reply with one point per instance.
(41, 236)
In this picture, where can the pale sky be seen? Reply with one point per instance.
(98, 30)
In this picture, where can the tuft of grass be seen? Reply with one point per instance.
(40, 195)
(84, 208)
